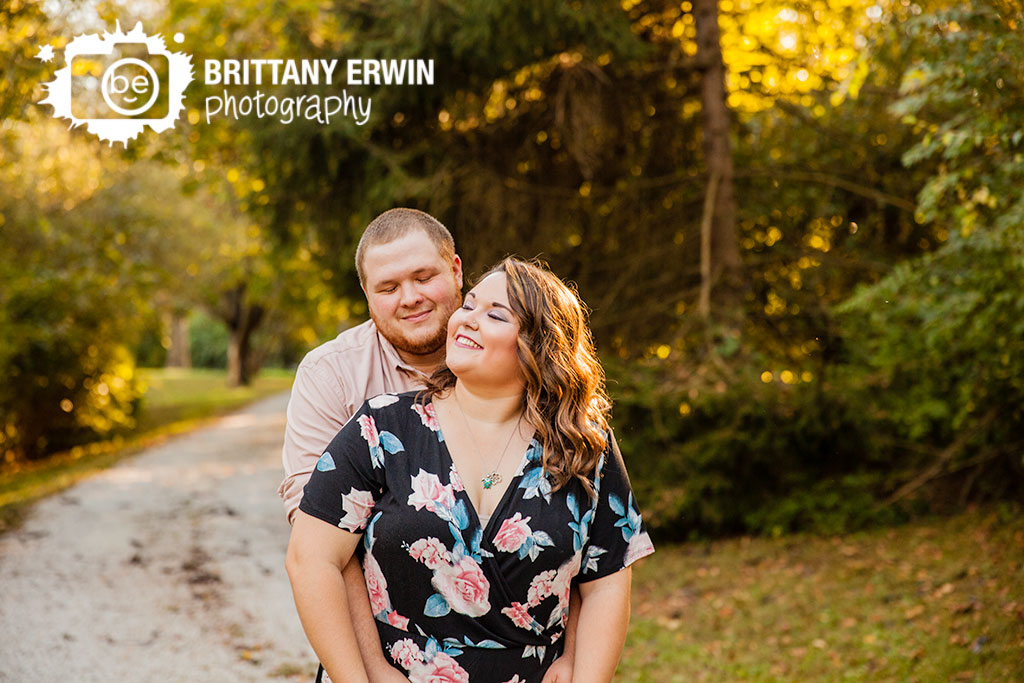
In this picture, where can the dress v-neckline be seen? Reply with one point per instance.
(503, 501)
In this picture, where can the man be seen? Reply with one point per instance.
(412, 279)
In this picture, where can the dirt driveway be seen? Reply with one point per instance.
(167, 567)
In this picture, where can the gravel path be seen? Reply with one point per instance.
(167, 567)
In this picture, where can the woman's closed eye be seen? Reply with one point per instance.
(495, 314)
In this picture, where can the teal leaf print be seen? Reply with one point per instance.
(486, 642)
(391, 443)
(325, 463)
(436, 606)
(542, 539)
(615, 503)
(460, 514)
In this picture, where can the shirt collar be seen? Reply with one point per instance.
(391, 354)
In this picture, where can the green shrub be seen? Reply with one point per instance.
(68, 378)
(746, 457)
(208, 340)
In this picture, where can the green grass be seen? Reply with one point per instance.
(176, 400)
(175, 394)
(931, 601)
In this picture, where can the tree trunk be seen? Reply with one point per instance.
(179, 355)
(238, 353)
(242, 319)
(724, 252)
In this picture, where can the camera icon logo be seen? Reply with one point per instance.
(118, 84)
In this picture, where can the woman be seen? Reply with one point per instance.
(478, 502)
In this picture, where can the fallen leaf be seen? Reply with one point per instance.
(914, 612)
(965, 607)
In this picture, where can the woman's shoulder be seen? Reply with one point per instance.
(389, 402)
(395, 417)
(408, 406)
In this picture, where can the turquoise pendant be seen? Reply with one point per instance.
(490, 480)
(487, 482)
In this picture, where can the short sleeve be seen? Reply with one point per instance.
(317, 409)
(349, 477)
(616, 536)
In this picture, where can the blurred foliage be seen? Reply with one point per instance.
(23, 27)
(208, 341)
(585, 148)
(64, 318)
(943, 335)
(98, 246)
(911, 398)
(724, 447)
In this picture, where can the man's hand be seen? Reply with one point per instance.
(560, 671)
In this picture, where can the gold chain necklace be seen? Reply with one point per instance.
(488, 480)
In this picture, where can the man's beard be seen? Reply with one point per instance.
(420, 346)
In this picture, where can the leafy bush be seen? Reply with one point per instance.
(942, 336)
(208, 341)
(68, 378)
(749, 456)
(77, 269)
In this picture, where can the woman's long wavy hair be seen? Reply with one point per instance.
(565, 399)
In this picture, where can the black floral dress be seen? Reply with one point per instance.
(455, 602)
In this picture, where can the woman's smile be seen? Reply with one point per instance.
(465, 342)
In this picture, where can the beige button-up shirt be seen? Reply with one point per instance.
(331, 383)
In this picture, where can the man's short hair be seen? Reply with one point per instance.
(396, 223)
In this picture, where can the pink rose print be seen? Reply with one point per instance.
(513, 533)
(427, 492)
(455, 479)
(563, 579)
(368, 428)
(464, 586)
(519, 614)
(357, 505)
(541, 587)
(376, 585)
(441, 669)
(430, 552)
(398, 621)
(427, 416)
(406, 653)
(515, 679)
